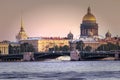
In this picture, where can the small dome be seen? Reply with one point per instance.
(89, 16)
(108, 34)
(70, 35)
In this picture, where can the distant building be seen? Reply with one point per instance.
(108, 35)
(43, 44)
(113, 40)
(92, 42)
(4, 47)
(7, 47)
(70, 35)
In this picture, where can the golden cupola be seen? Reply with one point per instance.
(89, 17)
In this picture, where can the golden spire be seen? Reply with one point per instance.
(22, 29)
(21, 22)
(108, 31)
(89, 10)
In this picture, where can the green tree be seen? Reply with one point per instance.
(108, 47)
(10, 49)
(65, 48)
(51, 49)
(26, 47)
(103, 47)
(88, 48)
(61, 48)
(14, 49)
(112, 46)
(80, 45)
(56, 48)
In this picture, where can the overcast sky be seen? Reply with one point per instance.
(56, 17)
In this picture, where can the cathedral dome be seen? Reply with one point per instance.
(89, 16)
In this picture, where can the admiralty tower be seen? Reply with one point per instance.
(22, 34)
(89, 27)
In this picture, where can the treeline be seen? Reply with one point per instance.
(25, 47)
(108, 47)
(104, 47)
(61, 48)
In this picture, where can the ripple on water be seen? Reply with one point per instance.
(115, 75)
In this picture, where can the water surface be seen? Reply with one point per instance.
(60, 70)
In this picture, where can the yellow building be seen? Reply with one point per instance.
(4, 48)
(44, 43)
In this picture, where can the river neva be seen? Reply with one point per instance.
(60, 70)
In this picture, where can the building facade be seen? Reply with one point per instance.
(4, 48)
(43, 44)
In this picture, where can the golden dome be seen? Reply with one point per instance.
(89, 16)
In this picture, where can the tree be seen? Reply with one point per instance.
(56, 48)
(0, 52)
(80, 45)
(108, 47)
(88, 48)
(10, 49)
(65, 48)
(61, 48)
(14, 49)
(26, 47)
(103, 47)
(51, 49)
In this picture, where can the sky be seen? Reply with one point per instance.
(56, 18)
